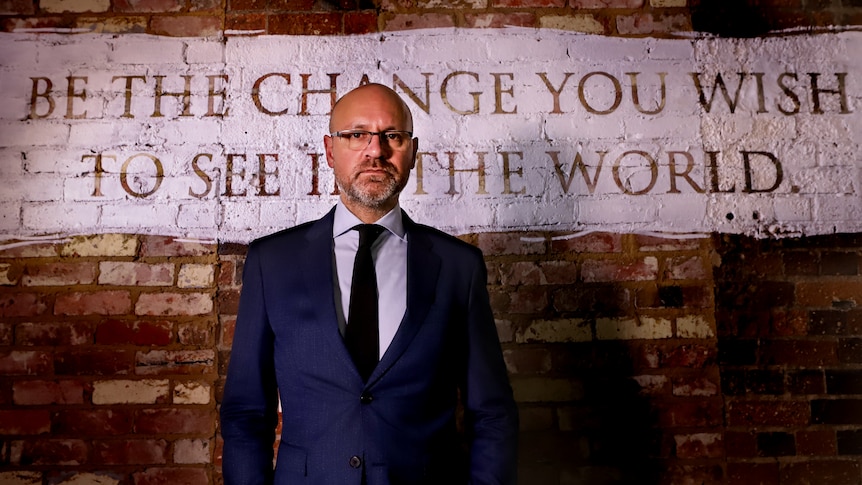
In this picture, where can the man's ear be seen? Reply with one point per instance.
(327, 144)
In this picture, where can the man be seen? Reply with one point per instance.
(369, 385)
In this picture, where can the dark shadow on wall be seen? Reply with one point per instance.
(729, 18)
(608, 434)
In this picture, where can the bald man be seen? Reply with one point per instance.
(371, 331)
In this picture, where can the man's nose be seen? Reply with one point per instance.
(376, 146)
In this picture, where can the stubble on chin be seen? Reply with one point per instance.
(373, 193)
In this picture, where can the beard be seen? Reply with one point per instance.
(371, 191)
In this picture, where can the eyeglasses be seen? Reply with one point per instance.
(360, 139)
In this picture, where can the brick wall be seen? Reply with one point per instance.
(790, 345)
(630, 18)
(634, 359)
(108, 361)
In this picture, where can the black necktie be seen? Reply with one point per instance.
(362, 333)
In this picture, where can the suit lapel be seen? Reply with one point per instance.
(316, 262)
(423, 268)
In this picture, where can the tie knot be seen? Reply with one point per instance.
(368, 233)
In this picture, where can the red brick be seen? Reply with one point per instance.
(690, 412)
(305, 24)
(6, 333)
(131, 452)
(196, 333)
(699, 445)
(127, 273)
(186, 26)
(96, 303)
(24, 422)
(656, 243)
(360, 22)
(25, 363)
(67, 452)
(227, 325)
(228, 301)
(418, 21)
(22, 304)
(94, 362)
(741, 444)
(161, 362)
(18, 7)
(528, 299)
(169, 246)
(700, 384)
(495, 244)
(789, 323)
(118, 332)
(148, 5)
(528, 3)
(691, 356)
(768, 413)
(833, 472)
(205, 5)
(161, 476)
(29, 393)
(527, 360)
(158, 304)
(649, 23)
(799, 352)
(600, 270)
(53, 334)
(53, 22)
(606, 3)
(685, 268)
(596, 242)
(135, 24)
(521, 273)
(59, 274)
(826, 293)
(246, 22)
(234, 5)
(99, 422)
(753, 474)
(500, 20)
(818, 442)
(175, 421)
(559, 272)
(291, 5)
(226, 273)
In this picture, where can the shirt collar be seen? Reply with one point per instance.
(346, 220)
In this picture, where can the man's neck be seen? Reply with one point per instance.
(368, 215)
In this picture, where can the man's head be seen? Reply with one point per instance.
(370, 176)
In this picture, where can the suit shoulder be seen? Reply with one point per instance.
(285, 236)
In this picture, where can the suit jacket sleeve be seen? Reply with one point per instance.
(249, 409)
(491, 415)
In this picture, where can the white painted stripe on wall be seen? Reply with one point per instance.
(776, 153)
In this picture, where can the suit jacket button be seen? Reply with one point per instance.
(366, 398)
(355, 461)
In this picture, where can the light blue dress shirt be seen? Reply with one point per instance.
(389, 253)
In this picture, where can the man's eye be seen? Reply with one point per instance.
(357, 136)
(394, 136)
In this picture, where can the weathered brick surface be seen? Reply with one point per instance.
(111, 302)
(86, 394)
(124, 273)
(39, 392)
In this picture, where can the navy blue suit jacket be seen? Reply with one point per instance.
(399, 428)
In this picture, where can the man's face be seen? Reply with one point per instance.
(372, 177)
